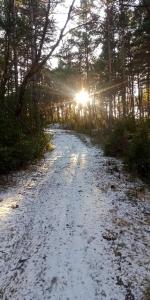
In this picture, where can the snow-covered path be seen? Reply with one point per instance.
(73, 227)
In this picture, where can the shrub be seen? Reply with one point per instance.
(117, 138)
(138, 153)
(25, 150)
(21, 141)
(131, 141)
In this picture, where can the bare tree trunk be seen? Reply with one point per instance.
(109, 59)
(122, 52)
(5, 76)
(7, 29)
(140, 100)
(15, 58)
(148, 93)
(132, 96)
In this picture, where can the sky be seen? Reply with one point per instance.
(61, 15)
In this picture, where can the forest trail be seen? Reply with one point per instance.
(74, 227)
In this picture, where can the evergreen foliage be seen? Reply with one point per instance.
(130, 140)
(27, 41)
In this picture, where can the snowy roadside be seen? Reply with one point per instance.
(74, 227)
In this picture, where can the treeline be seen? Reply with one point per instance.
(108, 53)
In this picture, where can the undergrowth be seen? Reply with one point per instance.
(130, 140)
(21, 140)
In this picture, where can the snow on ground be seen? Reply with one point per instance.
(74, 227)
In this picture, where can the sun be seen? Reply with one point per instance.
(82, 97)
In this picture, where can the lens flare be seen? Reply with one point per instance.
(82, 97)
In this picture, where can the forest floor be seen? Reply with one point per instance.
(74, 226)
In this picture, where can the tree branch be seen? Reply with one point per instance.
(78, 26)
(37, 66)
(144, 5)
(60, 37)
(44, 31)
